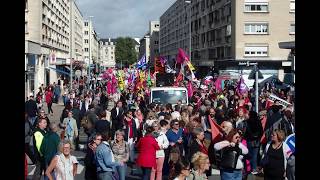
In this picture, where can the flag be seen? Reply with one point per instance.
(168, 69)
(190, 89)
(216, 131)
(182, 56)
(163, 60)
(157, 66)
(242, 87)
(217, 84)
(178, 79)
(142, 63)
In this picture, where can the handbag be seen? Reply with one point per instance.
(229, 158)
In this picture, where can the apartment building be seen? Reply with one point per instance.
(174, 29)
(91, 44)
(76, 45)
(154, 27)
(225, 32)
(144, 48)
(107, 52)
(47, 41)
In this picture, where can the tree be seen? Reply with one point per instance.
(125, 51)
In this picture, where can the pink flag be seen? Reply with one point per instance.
(217, 84)
(190, 89)
(182, 56)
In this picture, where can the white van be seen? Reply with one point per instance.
(164, 95)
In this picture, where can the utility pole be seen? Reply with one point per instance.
(71, 42)
(189, 2)
(256, 77)
(90, 33)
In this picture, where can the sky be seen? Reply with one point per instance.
(115, 18)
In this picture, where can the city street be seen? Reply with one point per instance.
(57, 109)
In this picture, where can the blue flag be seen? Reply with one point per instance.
(142, 63)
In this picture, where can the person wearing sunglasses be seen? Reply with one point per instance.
(232, 151)
(181, 170)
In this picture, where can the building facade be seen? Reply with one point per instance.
(144, 48)
(225, 31)
(91, 45)
(47, 39)
(107, 52)
(174, 29)
(76, 34)
(154, 28)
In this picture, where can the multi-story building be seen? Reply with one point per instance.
(107, 52)
(47, 37)
(91, 44)
(144, 48)
(76, 36)
(154, 27)
(225, 32)
(174, 30)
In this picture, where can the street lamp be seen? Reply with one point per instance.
(189, 2)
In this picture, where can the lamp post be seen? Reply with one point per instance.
(189, 2)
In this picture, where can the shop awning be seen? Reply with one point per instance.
(60, 71)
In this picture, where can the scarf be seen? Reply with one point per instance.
(130, 128)
(203, 148)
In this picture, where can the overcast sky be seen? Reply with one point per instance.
(114, 18)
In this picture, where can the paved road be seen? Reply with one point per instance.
(57, 109)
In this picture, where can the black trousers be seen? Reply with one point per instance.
(49, 107)
(40, 167)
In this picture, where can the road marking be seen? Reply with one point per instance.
(33, 168)
(215, 172)
(80, 168)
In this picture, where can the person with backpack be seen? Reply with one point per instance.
(50, 143)
(232, 151)
(275, 157)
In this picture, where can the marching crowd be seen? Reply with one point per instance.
(217, 129)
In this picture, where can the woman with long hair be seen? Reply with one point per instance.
(201, 164)
(180, 171)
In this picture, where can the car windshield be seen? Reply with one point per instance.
(169, 96)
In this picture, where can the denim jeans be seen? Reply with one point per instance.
(146, 172)
(230, 174)
(122, 171)
(104, 175)
(253, 153)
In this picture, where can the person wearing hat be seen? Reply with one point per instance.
(31, 109)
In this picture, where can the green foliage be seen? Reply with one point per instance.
(125, 51)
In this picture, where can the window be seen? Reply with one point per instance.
(256, 6)
(256, 51)
(156, 42)
(85, 23)
(292, 28)
(86, 49)
(86, 32)
(86, 41)
(292, 6)
(256, 28)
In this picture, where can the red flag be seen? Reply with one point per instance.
(190, 89)
(216, 131)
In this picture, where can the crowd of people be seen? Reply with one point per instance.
(217, 129)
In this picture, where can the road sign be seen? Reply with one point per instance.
(291, 142)
(78, 73)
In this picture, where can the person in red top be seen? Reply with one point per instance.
(49, 97)
(147, 147)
